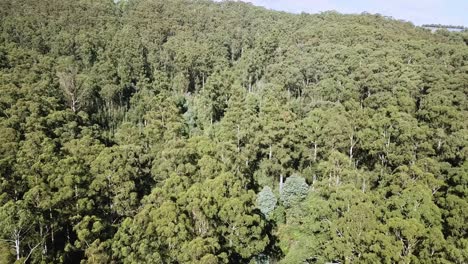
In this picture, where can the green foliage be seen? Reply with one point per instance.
(138, 131)
(295, 189)
(266, 201)
(6, 253)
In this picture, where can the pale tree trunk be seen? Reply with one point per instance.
(281, 182)
(51, 228)
(238, 138)
(70, 87)
(74, 102)
(439, 144)
(41, 234)
(17, 244)
(314, 180)
(31, 251)
(353, 143)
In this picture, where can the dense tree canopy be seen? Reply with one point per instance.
(192, 131)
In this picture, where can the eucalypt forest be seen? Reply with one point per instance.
(192, 131)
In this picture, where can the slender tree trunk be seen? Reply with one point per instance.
(314, 180)
(17, 245)
(351, 148)
(315, 152)
(238, 138)
(281, 182)
(51, 228)
(73, 103)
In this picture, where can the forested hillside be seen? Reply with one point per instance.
(178, 131)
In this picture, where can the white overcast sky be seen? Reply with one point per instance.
(449, 12)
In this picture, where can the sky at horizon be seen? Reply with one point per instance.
(447, 12)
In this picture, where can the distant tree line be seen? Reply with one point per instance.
(444, 26)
